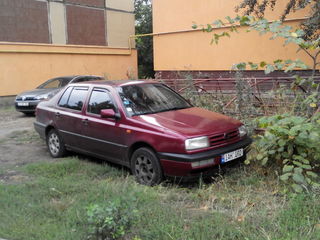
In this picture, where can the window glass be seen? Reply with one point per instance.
(51, 84)
(65, 97)
(84, 79)
(77, 98)
(150, 98)
(100, 99)
(65, 81)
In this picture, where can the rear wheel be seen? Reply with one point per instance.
(55, 144)
(146, 167)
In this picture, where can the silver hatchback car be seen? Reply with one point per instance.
(27, 102)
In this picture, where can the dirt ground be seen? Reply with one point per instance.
(19, 143)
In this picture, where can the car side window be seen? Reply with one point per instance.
(65, 97)
(65, 81)
(100, 99)
(74, 98)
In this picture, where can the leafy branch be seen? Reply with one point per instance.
(277, 30)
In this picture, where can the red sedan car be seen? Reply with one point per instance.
(143, 125)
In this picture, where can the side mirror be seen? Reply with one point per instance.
(109, 113)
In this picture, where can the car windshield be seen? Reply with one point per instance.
(150, 98)
(55, 83)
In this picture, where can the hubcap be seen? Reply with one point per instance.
(144, 169)
(54, 144)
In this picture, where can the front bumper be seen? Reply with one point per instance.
(181, 164)
(30, 106)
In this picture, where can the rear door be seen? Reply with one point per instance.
(103, 137)
(68, 115)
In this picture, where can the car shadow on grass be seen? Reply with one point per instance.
(178, 182)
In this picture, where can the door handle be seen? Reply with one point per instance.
(85, 121)
(57, 114)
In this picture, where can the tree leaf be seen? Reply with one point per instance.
(298, 178)
(297, 188)
(297, 163)
(306, 166)
(241, 66)
(269, 69)
(264, 161)
(263, 64)
(287, 168)
(285, 177)
(312, 174)
(259, 156)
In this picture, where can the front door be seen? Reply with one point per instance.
(103, 137)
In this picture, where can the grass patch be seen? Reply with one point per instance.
(242, 204)
(7, 108)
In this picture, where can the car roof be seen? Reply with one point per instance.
(75, 76)
(115, 83)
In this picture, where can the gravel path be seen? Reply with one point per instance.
(19, 143)
(12, 121)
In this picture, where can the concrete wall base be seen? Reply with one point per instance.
(7, 102)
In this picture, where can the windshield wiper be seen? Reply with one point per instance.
(142, 113)
(178, 108)
(172, 109)
(163, 110)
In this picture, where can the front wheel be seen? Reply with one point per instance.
(146, 167)
(55, 144)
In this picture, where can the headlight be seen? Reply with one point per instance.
(242, 131)
(196, 143)
(42, 97)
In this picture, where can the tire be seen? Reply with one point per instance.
(146, 167)
(55, 144)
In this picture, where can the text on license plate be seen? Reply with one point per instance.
(231, 155)
(23, 104)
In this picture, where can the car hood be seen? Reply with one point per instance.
(38, 92)
(191, 122)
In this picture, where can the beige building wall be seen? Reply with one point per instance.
(120, 26)
(178, 47)
(120, 22)
(125, 5)
(26, 66)
(58, 23)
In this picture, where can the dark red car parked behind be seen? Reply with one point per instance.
(145, 126)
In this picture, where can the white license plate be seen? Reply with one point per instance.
(231, 155)
(23, 104)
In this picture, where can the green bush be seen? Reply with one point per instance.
(292, 144)
(111, 221)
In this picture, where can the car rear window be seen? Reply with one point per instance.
(74, 98)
